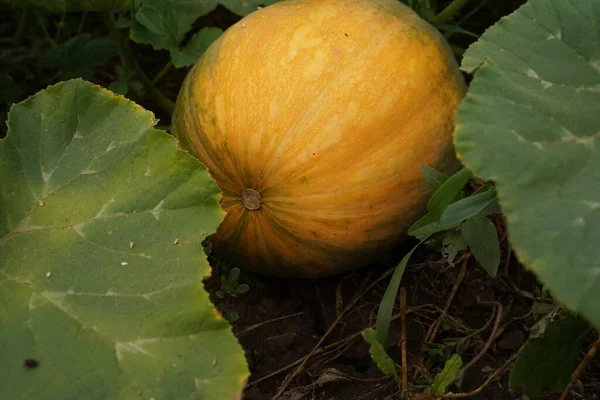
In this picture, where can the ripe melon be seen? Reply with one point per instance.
(314, 117)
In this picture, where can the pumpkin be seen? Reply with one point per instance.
(314, 117)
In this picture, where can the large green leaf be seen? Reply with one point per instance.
(101, 264)
(70, 5)
(548, 361)
(530, 122)
(165, 23)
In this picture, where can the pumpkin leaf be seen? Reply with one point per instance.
(447, 376)
(164, 23)
(195, 47)
(433, 177)
(378, 353)
(547, 361)
(91, 285)
(481, 237)
(530, 124)
(467, 207)
(61, 6)
(447, 192)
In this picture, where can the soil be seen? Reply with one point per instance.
(285, 322)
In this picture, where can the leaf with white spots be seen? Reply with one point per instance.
(530, 122)
(91, 285)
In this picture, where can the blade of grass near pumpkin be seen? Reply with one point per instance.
(386, 306)
(467, 207)
(447, 192)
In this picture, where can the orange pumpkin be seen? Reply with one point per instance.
(314, 117)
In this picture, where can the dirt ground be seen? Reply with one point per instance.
(282, 322)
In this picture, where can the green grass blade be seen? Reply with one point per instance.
(386, 307)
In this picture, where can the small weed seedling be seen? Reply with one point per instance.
(230, 285)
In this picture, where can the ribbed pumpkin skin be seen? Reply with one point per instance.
(327, 109)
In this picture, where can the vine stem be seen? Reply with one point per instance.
(129, 62)
(22, 28)
(450, 10)
(44, 30)
(163, 72)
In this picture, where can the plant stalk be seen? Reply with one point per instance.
(45, 31)
(129, 62)
(22, 28)
(82, 23)
(163, 72)
(581, 368)
(450, 10)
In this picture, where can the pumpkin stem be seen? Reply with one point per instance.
(251, 199)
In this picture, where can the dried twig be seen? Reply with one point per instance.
(360, 293)
(499, 312)
(258, 325)
(329, 346)
(434, 328)
(580, 368)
